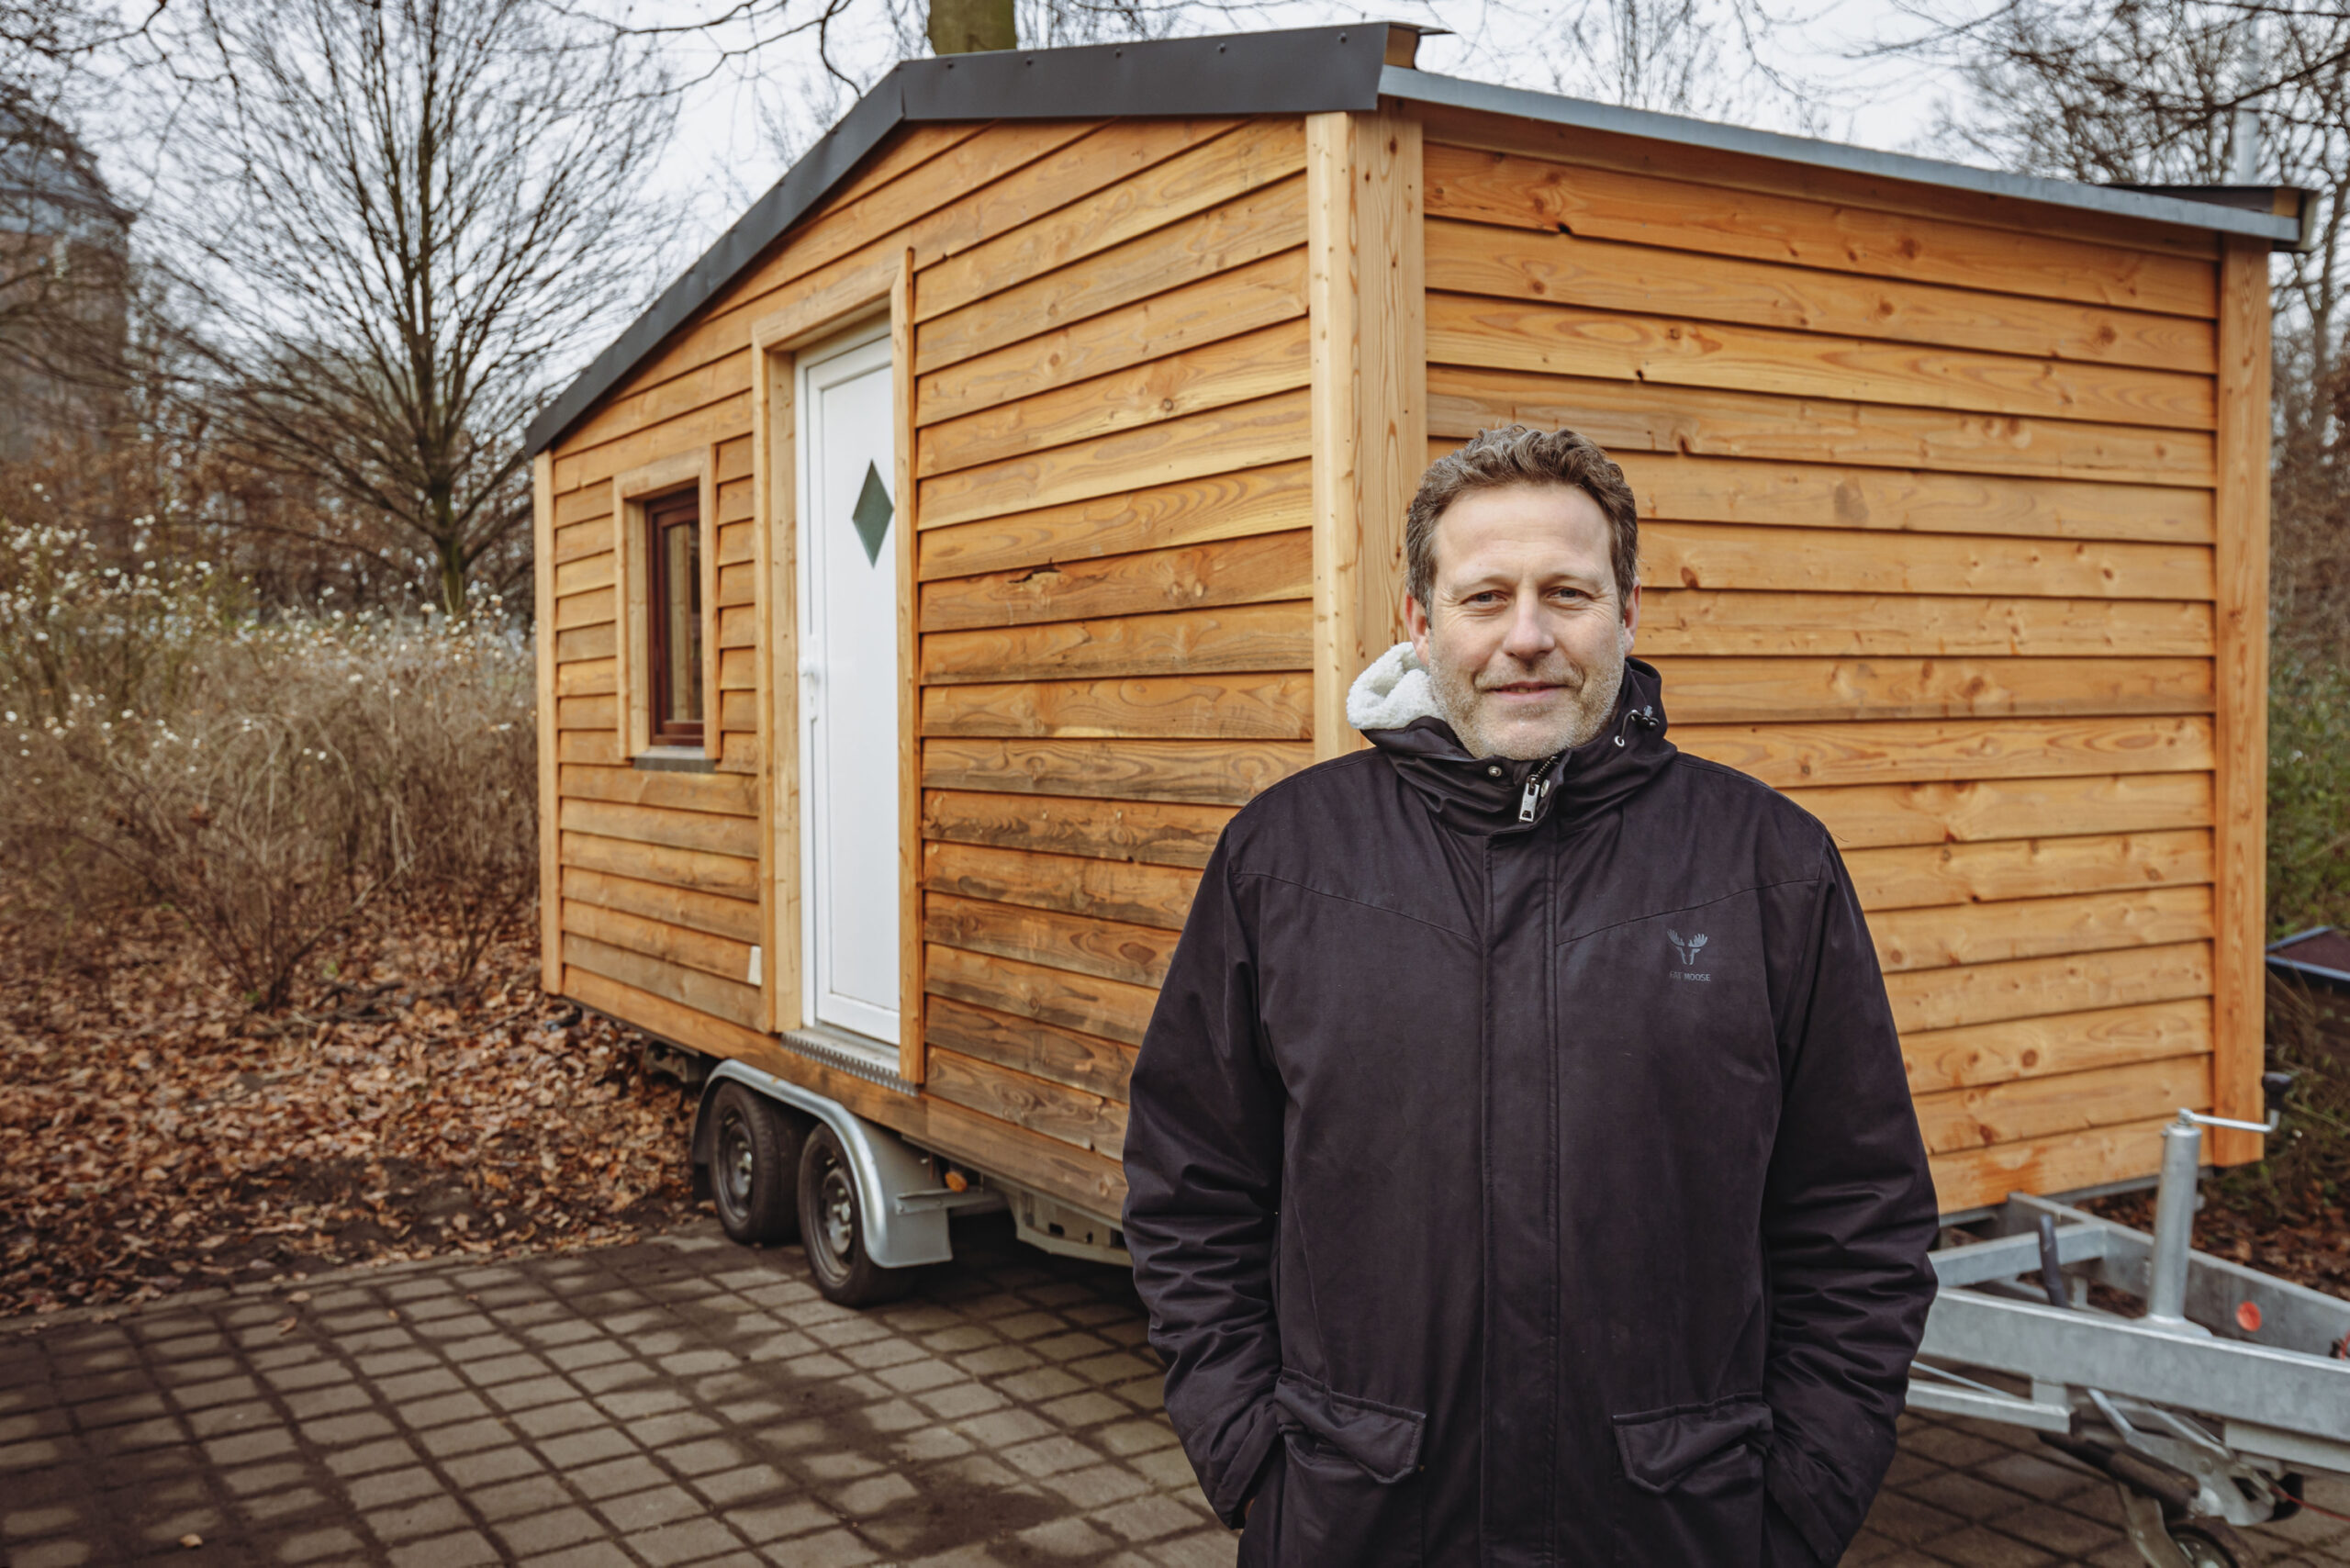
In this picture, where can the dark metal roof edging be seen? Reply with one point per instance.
(1453, 92)
(1300, 70)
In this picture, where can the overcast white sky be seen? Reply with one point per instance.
(729, 150)
(747, 114)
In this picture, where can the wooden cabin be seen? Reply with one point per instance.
(1015, 491)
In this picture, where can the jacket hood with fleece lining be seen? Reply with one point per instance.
(1392, 702)
(1391, 692)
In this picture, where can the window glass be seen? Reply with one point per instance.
(676, 560)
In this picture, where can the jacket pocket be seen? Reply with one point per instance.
(1346, 1488)
(1693, 1483)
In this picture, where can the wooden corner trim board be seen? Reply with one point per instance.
(2241, 683)
(775, 339)
(1366, 294)
(550, 829)
(774, 610)
(631, 572)
(912, 1056)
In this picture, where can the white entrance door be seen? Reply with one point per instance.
(848, 688)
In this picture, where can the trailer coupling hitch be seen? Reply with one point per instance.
(2203, 1408)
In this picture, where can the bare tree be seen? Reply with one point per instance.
(847, 44)
(965, 27)
(1651, 54)
(398, 220)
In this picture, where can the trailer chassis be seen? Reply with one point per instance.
(2203, 1408)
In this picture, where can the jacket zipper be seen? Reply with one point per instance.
(1534, 790)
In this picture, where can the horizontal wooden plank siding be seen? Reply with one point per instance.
(1500, 188)
(2046, 1046)
(1741, 620)
(1675, 487)
(1637, 417)
(1146, 830)
(1246, 637)
(1929, 541)
(1673, 352)
(1116, 608)
(1108, 356)
(1475, 258)
(1939, 876)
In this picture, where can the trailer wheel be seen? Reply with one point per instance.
(832, 1228)
(754, 1166)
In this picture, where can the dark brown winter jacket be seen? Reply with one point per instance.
(1521, 1166)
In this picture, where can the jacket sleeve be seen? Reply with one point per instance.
(1203, 1172)
(1848, 1216)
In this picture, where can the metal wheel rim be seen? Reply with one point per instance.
(2202, 1551)
(836, 1204)
(736, 1163)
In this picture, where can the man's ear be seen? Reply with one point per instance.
(1631, 616)
(1416, 621)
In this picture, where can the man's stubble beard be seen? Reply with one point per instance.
(1456, 695)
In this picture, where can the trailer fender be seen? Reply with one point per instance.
(884, 1164)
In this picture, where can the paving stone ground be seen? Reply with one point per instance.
(686, 1402)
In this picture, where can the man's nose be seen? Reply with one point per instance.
(1528, 636)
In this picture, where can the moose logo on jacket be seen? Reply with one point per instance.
(1688, 947)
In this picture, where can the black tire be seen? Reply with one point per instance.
(754, 1166)
(832, 1228)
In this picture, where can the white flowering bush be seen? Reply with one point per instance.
(76, 629)
(269, 779)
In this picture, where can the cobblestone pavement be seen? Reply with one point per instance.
(682, 1401)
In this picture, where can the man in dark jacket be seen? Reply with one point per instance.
(1520, 1162)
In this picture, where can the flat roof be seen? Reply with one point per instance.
(1296, 72)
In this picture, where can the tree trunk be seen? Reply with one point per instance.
(965, 27)
(451, 559)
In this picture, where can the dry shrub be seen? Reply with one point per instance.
(2308, 1166)
(266, 779)
(2309, 794)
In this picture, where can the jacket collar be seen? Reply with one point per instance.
(1394, 705)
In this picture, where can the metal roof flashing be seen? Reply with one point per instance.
(2220, 208)
(1296, 72)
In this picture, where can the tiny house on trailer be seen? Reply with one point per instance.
(1015, 490)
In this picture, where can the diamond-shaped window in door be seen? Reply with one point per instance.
(872, 514)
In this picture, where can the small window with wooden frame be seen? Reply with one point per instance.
(665, 674)
(674, 651)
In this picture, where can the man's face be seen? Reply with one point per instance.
(1525, 635)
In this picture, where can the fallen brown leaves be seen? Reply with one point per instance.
(156, 1135)
(2315, 1254)
(2287, 1214)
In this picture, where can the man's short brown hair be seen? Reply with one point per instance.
(1520, 455)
